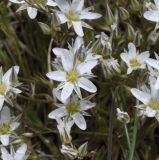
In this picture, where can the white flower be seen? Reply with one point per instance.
(122, 116)
(8, 84)
(7, 125)
(78, 51)
(150, 99)
(74, 14)
(32, 11)
(64, 130)
(18, 155)
(153, 13)
(72, 108)
(73, 76)
(133, 59)
(154, 71)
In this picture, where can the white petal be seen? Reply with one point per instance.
(157, 84)
(67, 91)
(62, 18)
(86, 67)
(60, 51)
(78, 43)
(63, 5)
(6, 77)
(79, 121)
(14, 126)
(32, 12)
(51, 3)
(125, 57)
(20, 153)
(1, 101)
(59, 113)
(67, 61)
(143, 56)
(129, 70)
(5, 139)
(5, 115)
(87, 85)
(157, 3)
(85, 105)
(5, 154)
(140, 95)
(132, 50)
(153, 63)
(78, 28)
(15, 90)
(150, 112)
(89, 15)
(77, 5)
(152, 15)
(57, 75)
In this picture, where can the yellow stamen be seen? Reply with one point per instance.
(73, 108)
(134, 63)
(2, 89)
(72, 76)
(5, 129)
(72, 16)
(154, 105)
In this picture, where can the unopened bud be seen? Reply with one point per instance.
(135, 5)
(124, 14)
(109, 16)
(130, 33)
(123, 116)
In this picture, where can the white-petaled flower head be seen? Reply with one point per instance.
(32, 5)
(8, 125)
(19, 154)
(123, 116)
(74, 109)
(73, 74)
(74, 14)
(150, 99)
(133, 59)
(8, 84)
(153, 12)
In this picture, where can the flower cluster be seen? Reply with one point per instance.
(9, 123)
(74, 69)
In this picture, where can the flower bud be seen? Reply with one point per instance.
(109, 16)
(124, 14)
(123, 116)
(135, 5)
(130, 33)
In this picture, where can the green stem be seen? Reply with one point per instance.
(127, 136)
(133, 142)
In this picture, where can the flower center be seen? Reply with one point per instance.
(134, 63)
(2, 89)
(72, 76)
(154, 105)
(5, 129)
(72, 16)
(72, 108)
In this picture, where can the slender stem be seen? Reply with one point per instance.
(111, 124)
(49, 55)
(133, 142)
(127, 136)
